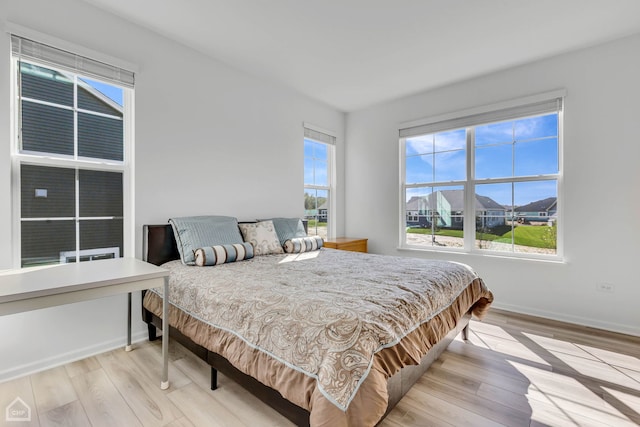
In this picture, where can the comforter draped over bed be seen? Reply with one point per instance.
(320, 326)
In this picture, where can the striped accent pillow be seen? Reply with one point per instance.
(220, 254)
(303, 244)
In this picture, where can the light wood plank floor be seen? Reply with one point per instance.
(515, 370)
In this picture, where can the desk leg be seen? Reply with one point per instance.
(165, 336)
(128, 347)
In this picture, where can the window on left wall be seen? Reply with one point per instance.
(319, 158)
(71, 156)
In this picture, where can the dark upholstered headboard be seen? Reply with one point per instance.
(159, 244)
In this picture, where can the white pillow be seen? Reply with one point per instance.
(262, 235)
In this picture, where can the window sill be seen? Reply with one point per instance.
(552, 259)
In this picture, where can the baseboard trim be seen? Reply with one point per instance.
(72, 356)
(576, 320)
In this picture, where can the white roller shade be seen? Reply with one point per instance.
(35, 51)
(466, 119)
(319, 136)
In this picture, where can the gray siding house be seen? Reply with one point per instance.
(540, 210)
(446, 209)
(50, 125)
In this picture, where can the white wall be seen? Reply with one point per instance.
(209, 140)
(601, 179)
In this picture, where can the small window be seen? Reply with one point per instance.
(318, 186)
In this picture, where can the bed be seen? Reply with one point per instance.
(311, 333)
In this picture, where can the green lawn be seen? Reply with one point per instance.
(439, 232)
(536, 236)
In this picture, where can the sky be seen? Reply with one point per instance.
(516, 148)
(315, 163)
(113, 92)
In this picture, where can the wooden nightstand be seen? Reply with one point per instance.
(347, 244)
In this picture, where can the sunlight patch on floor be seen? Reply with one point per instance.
(508, 345)
(560, 395)
(612, 357)
(554, 346)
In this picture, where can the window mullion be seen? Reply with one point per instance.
(39, 159)
(48, 104)
(527, 178)
(436, 184)
(513, 149)
(402, 224)
(75, 157)
(317, 187)
(75, 117)
(513, 206)
(469, 226)
(77, 210)
(97, 114)
(18, 107)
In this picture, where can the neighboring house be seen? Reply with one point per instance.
(541, 210)
(416, 211)
(322, 212)
(97, 127)
(489, 213)
(446, 209)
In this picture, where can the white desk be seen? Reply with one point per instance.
(40, 287)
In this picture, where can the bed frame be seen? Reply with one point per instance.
(159, 246)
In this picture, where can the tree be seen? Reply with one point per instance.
(309, 201)
(312, 202)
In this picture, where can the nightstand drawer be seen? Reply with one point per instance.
(347, 244)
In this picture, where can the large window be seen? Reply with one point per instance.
(318, 161)
(71, 156)
(486, 181)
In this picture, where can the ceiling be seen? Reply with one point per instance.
(351, 54)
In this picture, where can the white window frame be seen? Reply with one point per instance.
(126, 166)
(318, 134)
(471, 118)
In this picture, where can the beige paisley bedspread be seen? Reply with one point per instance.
(324, 313)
